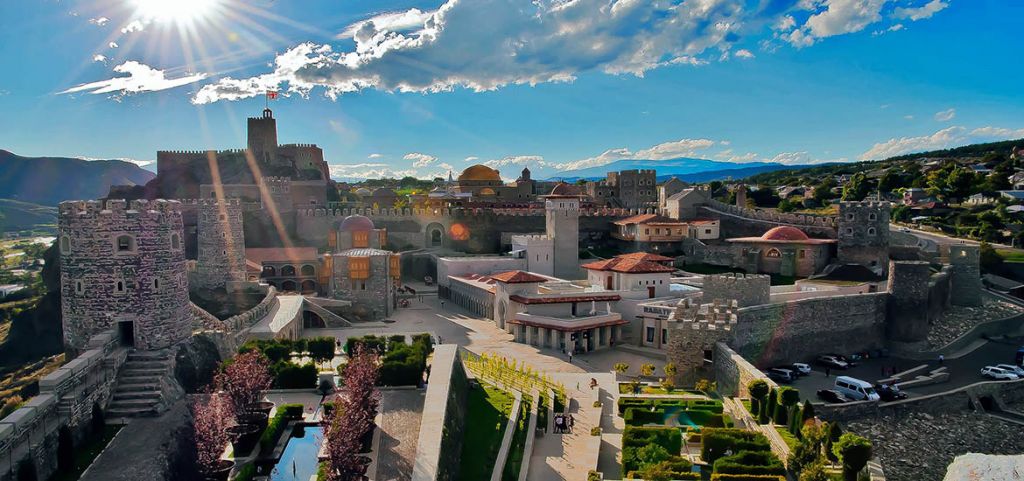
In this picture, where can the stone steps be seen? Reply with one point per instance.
(139, 390)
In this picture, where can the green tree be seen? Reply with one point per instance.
(657, 472)
(814, 472)
(857, 188)
(853, 452)
(768, 409)
(758, 389)
(785, 205)
(960, 182)
(834, 433)
(890, 181)
(823, 191)
(652, 454)
(990, 259)
(787, 397)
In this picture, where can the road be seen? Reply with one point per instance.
(962, 371)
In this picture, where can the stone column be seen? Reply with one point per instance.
(528, 335)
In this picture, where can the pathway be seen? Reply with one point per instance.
(570, 456)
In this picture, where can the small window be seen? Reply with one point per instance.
(849, 216)
(175, 241)
(872, 216)
(871, 231)
(65, 245)
(156, 284)
(125, 243)
(79, 287)
(773, 253)
(803, 253)
(650, 334)
(119, 287)
(849, 231)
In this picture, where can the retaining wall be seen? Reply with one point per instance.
(444, 416)
(733, 373)
(945, 402)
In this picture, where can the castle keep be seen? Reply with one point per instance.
(123, 266)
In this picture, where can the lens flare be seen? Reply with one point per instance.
(178, 11)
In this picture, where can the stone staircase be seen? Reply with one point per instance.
(140, 385)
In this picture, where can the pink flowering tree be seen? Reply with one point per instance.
(211, 416)
(353, 419)
(244, 380)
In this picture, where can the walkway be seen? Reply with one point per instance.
(570, 456)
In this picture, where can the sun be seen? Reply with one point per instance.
(178, 11)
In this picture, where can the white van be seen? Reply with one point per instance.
(856, 389)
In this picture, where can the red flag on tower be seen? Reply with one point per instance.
(271, 95)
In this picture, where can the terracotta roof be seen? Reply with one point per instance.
(702, 221)
(564, 299)
(564, 189)
(631, 266)
(649, 219)
(646, 256)
(259, 255)
(518, 277)
(785, 233)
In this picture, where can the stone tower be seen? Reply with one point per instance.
(907, 310)
(562, 216)
(746, 289)
(698, 328)
(221, 241)
(123, 267)
(263, 137)
(864, 234)
(279, 189)
(741, 196)
(965, 278)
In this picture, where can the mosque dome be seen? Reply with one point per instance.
(356, 223)
(785, 233)
(480, 173)
(563, 188)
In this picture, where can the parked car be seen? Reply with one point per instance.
(856, 389)
(1019, 371)
(781, 375)
(890, 392)
(832, 396)
(832, 362)
(993, 372)
(801, 368)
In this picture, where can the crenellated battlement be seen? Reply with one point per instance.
(463, 212)
(808, 220)
(872, 204)
(211, 202)
(718, 315)
(118, 207)
(300, 146)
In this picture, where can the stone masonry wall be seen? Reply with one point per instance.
(966, 274)
(908, 304)
(733, 373)
(799, 330)
(747, 290)
(372, 303)
(102, 284)
(443, 420)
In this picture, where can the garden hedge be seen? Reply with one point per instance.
(716, 441)
(750, 462)
(746, 477)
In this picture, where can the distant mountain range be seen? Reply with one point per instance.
(49, 180)
(683, 168)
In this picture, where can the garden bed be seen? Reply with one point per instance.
(515, 454)
(87, 453)
(487, 411)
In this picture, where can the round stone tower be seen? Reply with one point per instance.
(123, 267)
(965, 278)
(907, 310)
(221, 240)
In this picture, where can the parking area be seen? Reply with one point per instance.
(962, 371)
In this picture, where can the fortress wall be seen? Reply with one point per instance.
(737, 222)
(733, 373)
(939, 291)
(799, 330)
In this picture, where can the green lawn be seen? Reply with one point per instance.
(1011, 255)
(487, 411)
(788, 437)
(86, 454)
(515, 453)
(645, 389)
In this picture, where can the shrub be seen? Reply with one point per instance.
(597, 404)
(716, 441)
(593, 475)
(321, 349)
(853, 452)
(746, 477)
(292, 411)
(293, 376)
(403, 365)
(767, 408)
(595, 431)
(750, 462)
(669, 438)
(370, 342)
(273, 432)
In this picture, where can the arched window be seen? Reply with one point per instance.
(773, 253)
(269, 271)
(65, 245)
(79, 287)
(119, 287)
(872, 216)
(175, 241)
(308, 270)
(288, 271)
(871, 231)
(125, 243)
(156, 284)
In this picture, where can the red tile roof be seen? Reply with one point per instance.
(631, 266)
(518, 277)
(565, 299)
(259, 255)
(646, 256)
(649, 219)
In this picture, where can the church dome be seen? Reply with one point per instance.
(785, 233)
(563, 188)
(362, 192)
(480, 173)
(356, 223)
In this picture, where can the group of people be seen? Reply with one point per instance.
(564, 423)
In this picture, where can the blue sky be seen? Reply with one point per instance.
(391, 87)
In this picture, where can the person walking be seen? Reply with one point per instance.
(828, 371)
(570, 357)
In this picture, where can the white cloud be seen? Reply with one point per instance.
(374, 156)
(112, 44)
(744, 53)
(446, 166)
(471, 158)
(908, 117)
(998, 133)
(839, 17)
(533, 42)
(920, 13)
(99, 58)
(369, 171)
(517, 160)
(141, 78)
(99, 21)
(894, 28)
(663, 151)
(419, 160)
(903, 145)
(133, 26)
(945, 115)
